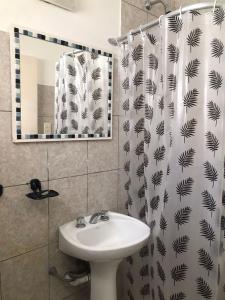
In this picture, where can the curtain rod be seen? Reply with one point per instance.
(198, 6)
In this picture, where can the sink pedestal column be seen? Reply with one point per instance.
(103, 280)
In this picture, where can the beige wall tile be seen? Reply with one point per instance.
(131, 17)
(82, 293)
(177, 3)
(25, 277)
(23, 222)
(67, 159)
(19, 162)
(5, 79)
(103, 155)
(71, 202)
(102, 191)
(122, 194)
(63, 263)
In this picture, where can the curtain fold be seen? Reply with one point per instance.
(173, 92)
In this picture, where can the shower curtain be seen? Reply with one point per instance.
(173, 94)
(81, 93)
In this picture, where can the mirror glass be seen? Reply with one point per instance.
(65, 89)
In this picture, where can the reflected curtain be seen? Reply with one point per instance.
(81, 94)
(172, 91)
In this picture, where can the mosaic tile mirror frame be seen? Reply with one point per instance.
(61, 91)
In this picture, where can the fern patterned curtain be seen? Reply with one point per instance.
(173, 93)
(81, 94)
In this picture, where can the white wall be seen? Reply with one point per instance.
(92, 23)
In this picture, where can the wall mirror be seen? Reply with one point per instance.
(60, 90)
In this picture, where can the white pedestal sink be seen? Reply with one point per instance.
(104, 245)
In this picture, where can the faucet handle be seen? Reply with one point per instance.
(104, 215)
(80, 222)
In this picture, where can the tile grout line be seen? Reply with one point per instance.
(87, 204)
(24, 253)
(143, 10)
(1, 297)
(49, 281)
(118, 149)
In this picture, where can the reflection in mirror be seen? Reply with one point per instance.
(64, 91)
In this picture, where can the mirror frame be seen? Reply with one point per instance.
(16, 91)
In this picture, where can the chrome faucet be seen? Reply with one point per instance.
(102, 215)
(80, 222)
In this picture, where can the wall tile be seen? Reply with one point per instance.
(102, 191)
(103, 155)
(5, 79)
(19, 162)
(131, 17)
(63, 263)
(46, 97)
(82, 293)
(23, 222)
(122, 194)
(71, 202)
(25, 277)
(137, 3)
(67, 159)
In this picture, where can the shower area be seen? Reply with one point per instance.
(171, 91)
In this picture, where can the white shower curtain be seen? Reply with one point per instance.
(81, 94)
(173, 94)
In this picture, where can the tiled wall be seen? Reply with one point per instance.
(46, 96)
(84, 173)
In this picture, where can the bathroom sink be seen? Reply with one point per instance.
(104, 245)
(117, 238)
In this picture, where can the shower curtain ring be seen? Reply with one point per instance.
(130, 37)
(181, 11)
(160, 20)
(141, 31)
(214, 6)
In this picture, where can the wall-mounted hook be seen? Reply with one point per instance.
(1, 190)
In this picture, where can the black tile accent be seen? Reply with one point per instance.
(33, 136)
(17, 56)
(18, 136)
(41, 36)
(49, 136)
(17, 51)
(91, 135)
(16, 29)
(17, 99)
(109, 133)
(18, 109)
(71, 136)
(109, 117)
(18, 118)
(16, 34)
(99, 52)
(64, 43)
(25, 32)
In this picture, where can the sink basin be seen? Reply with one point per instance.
(117, 238)
(104, 245)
